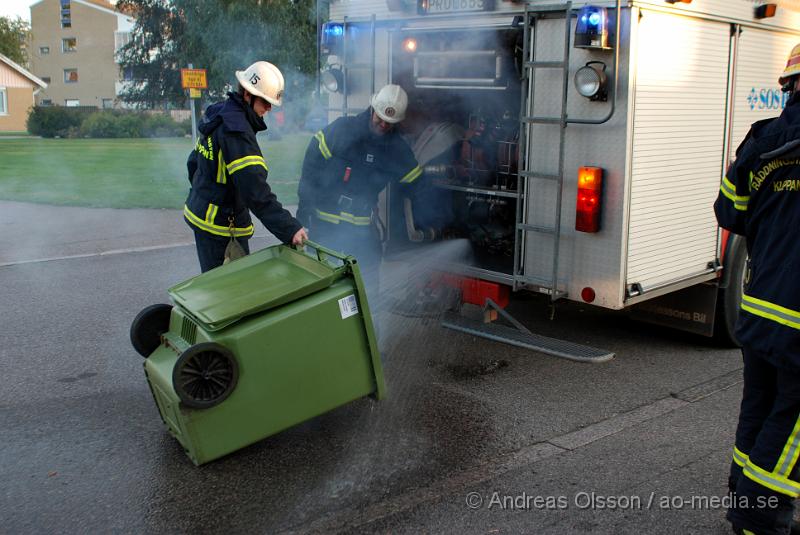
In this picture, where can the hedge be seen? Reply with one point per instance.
(57, 121)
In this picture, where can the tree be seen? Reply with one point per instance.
(221, 36)
(14, 34)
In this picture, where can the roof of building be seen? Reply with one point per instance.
(105, 4)
(108, 5)
(24, 72)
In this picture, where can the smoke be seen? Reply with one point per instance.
(411, 284)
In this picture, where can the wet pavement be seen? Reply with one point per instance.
(84, 449)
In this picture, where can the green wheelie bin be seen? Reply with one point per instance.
(259, 345)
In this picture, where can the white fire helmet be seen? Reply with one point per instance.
(263, 79)
(390, 103)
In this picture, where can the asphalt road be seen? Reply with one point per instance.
(474, 437)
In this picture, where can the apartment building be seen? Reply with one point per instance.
(73, 49)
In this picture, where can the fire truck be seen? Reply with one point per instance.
(579, 147)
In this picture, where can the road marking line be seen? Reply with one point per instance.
(102, 253)
(615, 424)
(258, 234)
(703, 390)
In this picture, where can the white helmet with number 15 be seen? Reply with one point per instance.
(263, 79)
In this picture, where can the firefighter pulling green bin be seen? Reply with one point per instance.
(259, 345)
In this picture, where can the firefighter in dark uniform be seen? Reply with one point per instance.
(347, 164)
(229, 175)
(760, 199)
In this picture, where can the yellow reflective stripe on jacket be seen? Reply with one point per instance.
(323, 146)
(771, 480)
(218, 230)
(355, 220)
(771, 311)
(411, 176)
(729, 190)
(344, 217)
(247, 161)
(330, 218)
(739, 457)
(221, 176)
(211, 213)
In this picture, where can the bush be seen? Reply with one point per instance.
(186, 127)
(55, 121)
(120, 124)
(100, 125)
(130, 124)
(161, 126)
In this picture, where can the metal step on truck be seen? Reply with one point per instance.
(579, 147)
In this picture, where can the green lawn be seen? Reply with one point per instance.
(124, 173)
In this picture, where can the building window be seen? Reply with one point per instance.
(66, 14)
(69, 44)
(72, 103)
(70, 76)
(3, 101)
(121, 39)
(46, 102)
(46, 79)
(44, 50)
(127, 74)
(108, 103)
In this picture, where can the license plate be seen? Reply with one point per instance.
(454, 6)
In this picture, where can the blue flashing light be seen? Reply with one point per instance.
(334, 30)
(592, 28)
(331, 37)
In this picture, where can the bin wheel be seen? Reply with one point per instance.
(147, 328)
(204, 375)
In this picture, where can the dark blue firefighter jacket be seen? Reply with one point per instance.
(760, 199)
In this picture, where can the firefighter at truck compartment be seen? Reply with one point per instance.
(347, 164)
(229, 175)
(760, 199)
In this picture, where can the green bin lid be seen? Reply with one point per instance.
(263, 280)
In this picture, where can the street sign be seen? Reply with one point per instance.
(194, 79)
(194, 93)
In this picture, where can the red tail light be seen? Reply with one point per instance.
(588, 294)
(589, 202)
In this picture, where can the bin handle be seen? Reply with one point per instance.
(323, 251)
